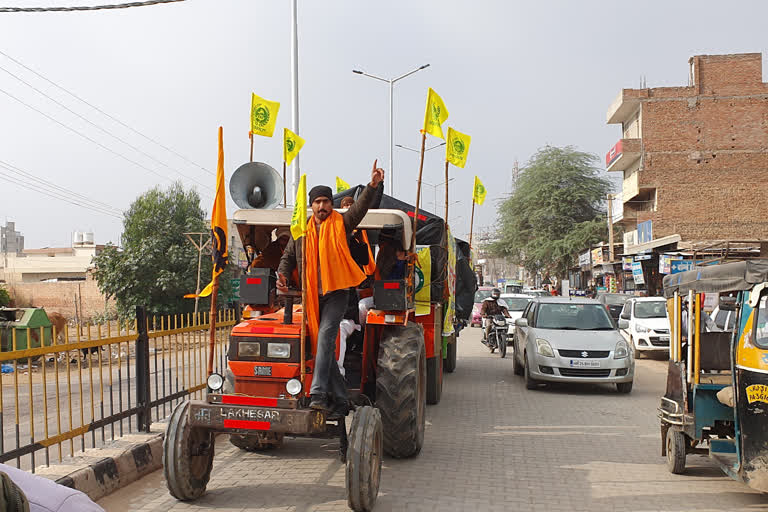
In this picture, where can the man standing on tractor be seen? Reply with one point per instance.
(331, 271)
(490, 308)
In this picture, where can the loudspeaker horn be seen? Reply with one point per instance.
(256, 185)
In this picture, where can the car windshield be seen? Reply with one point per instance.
(651, 309)
(582, 317)
(481, 295)
(613, 299)
(516, 303)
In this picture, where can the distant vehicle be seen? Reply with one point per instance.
(648, 324)
(513, 288)
(481, 294)
(561, 339)
(516, 304)
(537, 293)
(613, 302)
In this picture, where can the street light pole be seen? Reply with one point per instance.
(295, 91)
(391, 82)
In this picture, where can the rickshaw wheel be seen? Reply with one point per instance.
(366, 447)
(187, 456)
(676, 443)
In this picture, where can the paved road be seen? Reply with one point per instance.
(490, 445)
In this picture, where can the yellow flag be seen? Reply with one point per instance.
(299, 219)
(435, 114)
(479, 192)
(457, 147)
(341, 185)
(263, 116)
(219, 251)
(292, 144)
(424, 273)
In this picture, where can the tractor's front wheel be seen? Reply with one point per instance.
(434, 379)
(449, 364)
(401, 389)
(187, 456)
(364, 453)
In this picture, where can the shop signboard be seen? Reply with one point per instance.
(645, 232)
(665, 262)
(637, 272)
(642, 257)
(597, 256)
(678, 266)
(630, 239)
(585, 260)
(626, 263)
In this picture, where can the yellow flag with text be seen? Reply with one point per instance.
(263, 116)
(341, 185)
(292, 144)
(457, 147)
(479, 192)
(435, 114)
(424, 274)
(299, 218)
(219, 237)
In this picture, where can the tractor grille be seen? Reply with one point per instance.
(584, 372)
(590, 354)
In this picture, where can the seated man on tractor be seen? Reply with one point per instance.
(490, 308)
(270, 256)
(331, 271)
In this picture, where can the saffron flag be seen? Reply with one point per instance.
(219, 250)
(457, 147)
(299, 219)
(292, 144)
(423, 282)
(263, 116)
(341, 185)
(479, 192)
(435, 114)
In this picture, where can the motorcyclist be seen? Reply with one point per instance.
(490, 308)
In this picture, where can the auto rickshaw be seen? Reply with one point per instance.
(716, 399)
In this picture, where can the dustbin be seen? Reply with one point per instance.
(30, 324)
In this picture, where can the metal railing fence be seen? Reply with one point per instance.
(88, 387)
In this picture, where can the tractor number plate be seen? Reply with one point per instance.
(262, 371)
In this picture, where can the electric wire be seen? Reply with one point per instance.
(107, 132)
(24, 175)
(33, 188)
(113, 118)
(86, 137)
(88, 7)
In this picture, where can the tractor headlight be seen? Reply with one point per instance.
(544, 348)
(293, 387)
(215, 382)
(248, 348)
(279, 350)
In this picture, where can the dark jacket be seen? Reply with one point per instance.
(492, 308)
(292, 256)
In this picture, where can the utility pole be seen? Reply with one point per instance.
(610, 227)
(199, 246)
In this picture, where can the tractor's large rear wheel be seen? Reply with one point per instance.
(363, 472)
(401, 388)
(187, 456)
(449, 363)
(434, 379)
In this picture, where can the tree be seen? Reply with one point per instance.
(157, 265)
(554, 212)
(5, 298)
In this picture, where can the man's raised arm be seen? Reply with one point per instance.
(357, 211)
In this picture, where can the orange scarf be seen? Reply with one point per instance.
(370, 268)
(337, 268)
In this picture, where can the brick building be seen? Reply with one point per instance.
(694, 158)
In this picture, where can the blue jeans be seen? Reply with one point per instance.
(327, 377)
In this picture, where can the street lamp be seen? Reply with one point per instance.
(417, 151)
(434, 188)
(391, 82)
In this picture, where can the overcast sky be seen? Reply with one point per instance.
(514, 75)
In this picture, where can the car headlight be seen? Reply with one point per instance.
(544, 348)
(621, 351)
(293, 387)
(279, 350)
(215, 382)
(248, 348)
(641, 328)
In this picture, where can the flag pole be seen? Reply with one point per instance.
(212, 333)
(418, 191)
(303, 338)
(250, 136)
(285, 187)
(471, 222)
(446, 192)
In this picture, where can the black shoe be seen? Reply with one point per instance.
(319, 402)
(339, 410)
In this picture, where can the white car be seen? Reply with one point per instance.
(648, 324)
(516, 303)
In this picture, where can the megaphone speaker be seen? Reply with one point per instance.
(256, 185)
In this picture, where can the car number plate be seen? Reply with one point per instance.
(664, 338)
(581, 363)
(262, 371)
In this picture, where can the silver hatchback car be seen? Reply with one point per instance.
(561, 339)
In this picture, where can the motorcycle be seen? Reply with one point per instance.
(498, 336)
